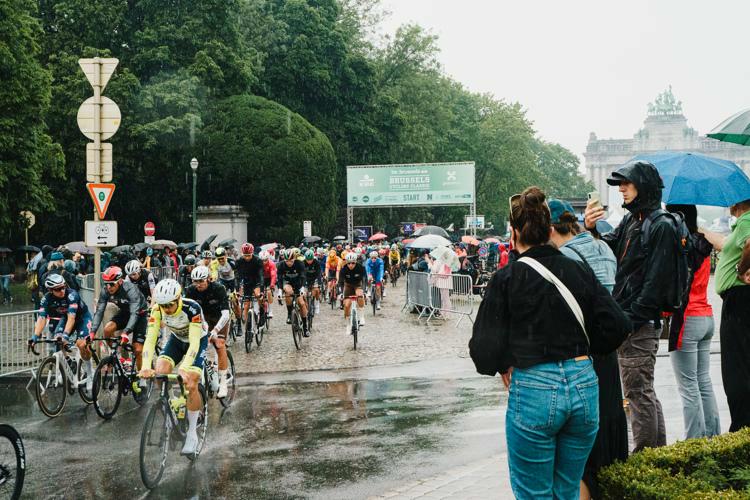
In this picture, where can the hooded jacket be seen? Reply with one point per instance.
(639, 282)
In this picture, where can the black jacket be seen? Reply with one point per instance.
(640, 277)
(524, 321)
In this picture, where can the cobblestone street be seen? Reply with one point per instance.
(390, 337)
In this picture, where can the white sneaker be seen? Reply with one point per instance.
(223, 389)
(361, 320)
(270, 314)
(191, 443)
(349, 328)
(378, 306)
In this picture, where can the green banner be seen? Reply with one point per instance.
(413, 184)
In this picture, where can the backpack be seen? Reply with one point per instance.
(678, 289)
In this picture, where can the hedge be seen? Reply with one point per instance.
(716, 467)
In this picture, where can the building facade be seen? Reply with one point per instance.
(665, 128)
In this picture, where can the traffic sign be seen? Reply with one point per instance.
(105, 165)
(98, 70)
(101, 194)
(306, 228)
(149, 229)
(28, 216)
(109, 120)
(149, 239)
(101, 233)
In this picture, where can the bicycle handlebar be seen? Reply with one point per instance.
(171, 376)
(32, 345)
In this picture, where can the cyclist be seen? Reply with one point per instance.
(142, 278)
(249, 270)
(352, 276)
(333, 264)
(224, 268)
(394, 260)
(187, 343)
(206, 258)
(69, 319)
(212, 296)
(291, 274)
(186, 270)
(269, 278)
(375, 268)
(313, 278)
(132, 309)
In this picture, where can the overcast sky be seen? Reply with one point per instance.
(581, 66)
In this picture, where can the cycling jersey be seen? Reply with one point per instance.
(186, 327)
(269, 273)
(394, 257)
(375, 269)
(145, 282)
(249, 273)
(226, 270)
(214, 302)
(332, 264)
(294, 275)
(354, 276)
(312, 272)
(128, 299)
(58, 309)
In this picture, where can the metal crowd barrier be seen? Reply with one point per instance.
(15, 330)
(447, 294)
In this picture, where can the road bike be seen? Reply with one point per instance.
(60, 374)
(395, 274)
(235, 323)
(12, 463)
(211, 376)
(116, 377)
(297, 329)
(353, 317)
(257, 324)
(310, 308)
(375, 296)
(166, 428)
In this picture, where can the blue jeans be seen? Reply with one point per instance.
(5, 286)
(550, 427)
(691, 366)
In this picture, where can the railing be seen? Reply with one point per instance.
(15, 330)
(443, 294)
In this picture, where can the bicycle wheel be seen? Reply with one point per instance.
(51, 387)
(297, 329)
(12, 463)
(374, 299)
(107, 387)
(355, 326)
(86, 396)
(259, 331)
(231, 384)
(141, 393)
(249, 331)
(154, 444)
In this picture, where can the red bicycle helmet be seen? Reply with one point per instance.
(112, 274)
(247, 249)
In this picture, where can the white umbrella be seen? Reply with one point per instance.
(448, 256)
(429, 241)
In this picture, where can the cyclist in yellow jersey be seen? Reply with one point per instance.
(187, 343)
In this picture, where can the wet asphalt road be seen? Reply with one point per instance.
(326, 434)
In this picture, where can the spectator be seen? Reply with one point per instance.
(57, 266)
(552, 417)
(612, 439)
(640, 289)
(170, 259)
(504, 257)
(7, 271)
(732, 280)
(690, 333)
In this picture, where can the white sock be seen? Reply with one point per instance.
(192, 420)
(256, 308)
(222, 375)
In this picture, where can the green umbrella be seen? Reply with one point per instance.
(734, 129)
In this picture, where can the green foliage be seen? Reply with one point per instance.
(696, 468)
(30, 161)
(559, 170)
(282, 168)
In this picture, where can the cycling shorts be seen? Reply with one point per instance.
(331, 274)
(295, 289)
(228, 284)
(312, 283)
(176, 349)
(222, 334)
(139, 330)
(81, 329)
(350, 290)
(248, 289)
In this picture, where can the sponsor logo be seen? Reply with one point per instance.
(377, 198)
(411, 197)
(365, 199)
(366, 181)
(451, 176)
(355, 198)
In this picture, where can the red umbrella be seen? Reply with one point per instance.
(378, 236)
(470, 240)
(407, 241)
(491, 240)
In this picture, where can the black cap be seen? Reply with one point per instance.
(616, 178)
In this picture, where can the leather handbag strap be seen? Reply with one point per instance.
(569, 298)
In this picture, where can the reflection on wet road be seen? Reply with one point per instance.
(320, 438)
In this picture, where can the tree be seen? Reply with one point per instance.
(30, 161)
(560, 176)
(273, 162)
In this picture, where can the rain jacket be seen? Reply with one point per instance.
(640, 278)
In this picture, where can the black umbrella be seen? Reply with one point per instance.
(206, 245)
(138, 247)
(439, 231)
(311, 239)
(339, 238)
(121, 249)
(227, 243)
(5, 249)
(187, 246)
(27, 248)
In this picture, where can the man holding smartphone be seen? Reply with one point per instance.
(639, 286)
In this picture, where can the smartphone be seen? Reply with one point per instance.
(594, 199)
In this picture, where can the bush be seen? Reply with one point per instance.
(697, 468)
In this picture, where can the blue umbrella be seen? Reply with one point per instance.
(695, 179)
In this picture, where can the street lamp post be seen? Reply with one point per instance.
(194, 166)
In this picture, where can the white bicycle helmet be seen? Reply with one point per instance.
(351, 257)
(167, 291)
(264, 255)
(54, 281)
(132, 267)
(373, 254)
(200, 273)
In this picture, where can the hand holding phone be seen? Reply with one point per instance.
(594, 210)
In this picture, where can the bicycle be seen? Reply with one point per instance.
(12, 463)
(252, 328)
(332, 292)
(310, 308)
(166, 428)
(395, 274)
(297, 329)
(354, 319)
(235, 323)
(115, 377)
(59, 375)
(375, 298)
(211, 377)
